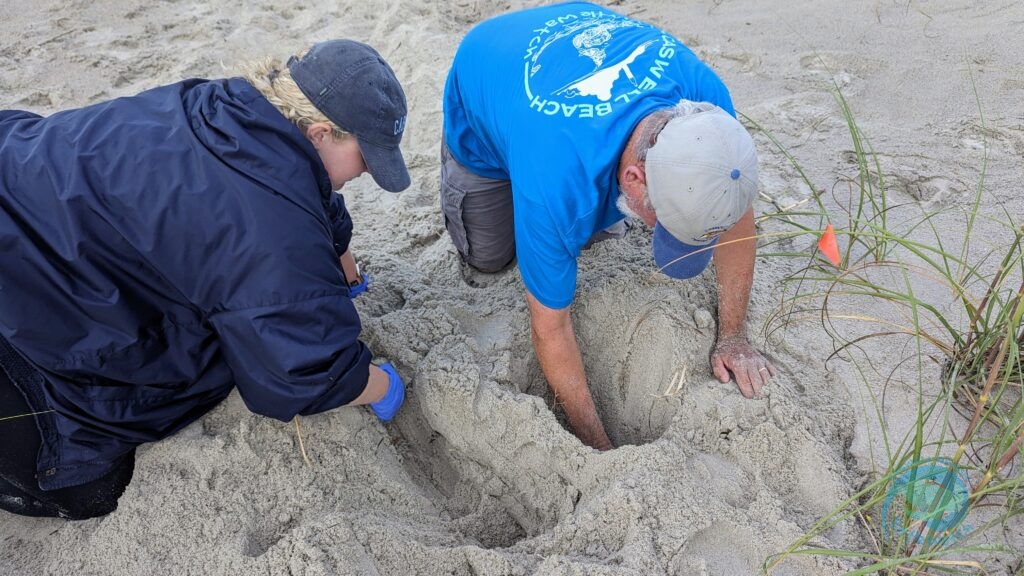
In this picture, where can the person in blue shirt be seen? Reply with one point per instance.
(161, 249)
(559, 121)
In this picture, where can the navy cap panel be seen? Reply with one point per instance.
(678, 259)
(356, 89)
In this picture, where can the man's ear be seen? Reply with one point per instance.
(317, 133)
(633, 180)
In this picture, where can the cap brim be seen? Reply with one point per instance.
(678, 259)
(386, 165)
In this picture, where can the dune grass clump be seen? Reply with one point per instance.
(936, 498)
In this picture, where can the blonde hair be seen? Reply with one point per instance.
(274, 80)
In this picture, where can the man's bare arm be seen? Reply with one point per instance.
(734, 265)
(555, 344)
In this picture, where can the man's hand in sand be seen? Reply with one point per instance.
(750, 368)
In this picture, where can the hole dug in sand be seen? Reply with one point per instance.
(639, 355)
(468, 442)
(265, 534)
(478, 434)
(459, 487)
(492, 460)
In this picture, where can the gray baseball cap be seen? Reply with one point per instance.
(356, 89)
(701, 178)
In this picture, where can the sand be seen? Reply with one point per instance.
(477, 475)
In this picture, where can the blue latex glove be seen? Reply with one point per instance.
(356, 290)
(386, 407)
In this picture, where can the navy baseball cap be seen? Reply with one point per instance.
(356, 89)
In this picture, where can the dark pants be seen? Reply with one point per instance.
(19, 490)
(478, 215)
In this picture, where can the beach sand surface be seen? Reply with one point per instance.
(478, 475)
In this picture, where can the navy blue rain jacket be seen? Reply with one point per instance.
(156, 251)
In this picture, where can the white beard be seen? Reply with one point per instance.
(622, 203)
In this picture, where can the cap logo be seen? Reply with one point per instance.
(712, 233)
(400, 125)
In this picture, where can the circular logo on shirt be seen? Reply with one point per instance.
(584, 64)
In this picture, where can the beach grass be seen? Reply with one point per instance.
(962, 339)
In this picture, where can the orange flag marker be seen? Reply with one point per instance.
(829, 246)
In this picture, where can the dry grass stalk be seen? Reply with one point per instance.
(25, 415)
(302, 444)
(675, 387)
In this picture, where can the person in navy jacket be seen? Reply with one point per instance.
(158, 250)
